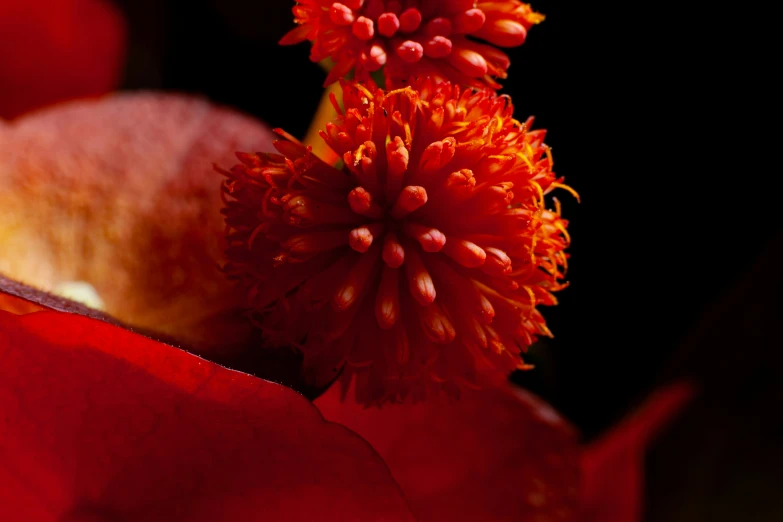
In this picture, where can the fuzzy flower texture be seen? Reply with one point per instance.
(414, 38)
(419, 265)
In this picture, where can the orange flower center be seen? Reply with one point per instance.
(422, 259)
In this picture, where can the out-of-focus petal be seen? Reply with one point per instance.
(54, 50)
(613, 467)
(107, 425)
(120, 193)
(497, 454)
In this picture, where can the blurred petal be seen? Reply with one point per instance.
(120, 193)
(497, 454)
(101, 424)
(613, 467)
(54, 50)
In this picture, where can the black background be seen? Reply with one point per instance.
(655, 116)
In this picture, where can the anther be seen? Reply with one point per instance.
(341, 14)
(411, 198)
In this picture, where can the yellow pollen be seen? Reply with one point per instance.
(522, 156)
(569, 189)
(533, 251)
(549, 156)
(540, 193)
(561, 228)
(359, 153)
(365, 91)
(408, 135)
(400, 90)
(532, 301)
(490, 291)
(458, 131)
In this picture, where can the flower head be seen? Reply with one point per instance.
(420, 261)
(415, 38)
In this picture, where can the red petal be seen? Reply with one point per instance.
(55, 50)
(105, 423)
(296, 35)
(496, 454)
(613, 467)
(120, 193)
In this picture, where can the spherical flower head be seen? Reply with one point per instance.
(414, 38)
(419, 265)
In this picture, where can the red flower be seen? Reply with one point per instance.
(420, 262)
(415, 38)
(102, 424)
(99, 423)
(54, 50)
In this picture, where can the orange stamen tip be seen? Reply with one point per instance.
(410, 199)
(393, 252)
(360, 239)
(431, 239)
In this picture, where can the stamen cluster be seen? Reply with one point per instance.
(414, 38)
(419, 263)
